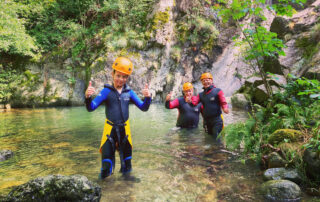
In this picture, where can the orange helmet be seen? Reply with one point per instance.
(206, 75)
(187, 86)
(124, 65)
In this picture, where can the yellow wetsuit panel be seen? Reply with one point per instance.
(222, 121)
(107, 131)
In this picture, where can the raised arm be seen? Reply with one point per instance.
(94, 104)
(144, 106)
(171, 104)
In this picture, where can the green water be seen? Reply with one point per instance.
(168, 164)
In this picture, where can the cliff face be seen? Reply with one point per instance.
(169, 60)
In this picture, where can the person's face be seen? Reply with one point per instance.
(119, 79)
(206, 82)
(188, 93)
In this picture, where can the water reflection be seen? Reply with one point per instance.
(168, 164)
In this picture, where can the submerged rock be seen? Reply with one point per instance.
(280, 190)
(56, 188)
(282, 174)
(5, 154)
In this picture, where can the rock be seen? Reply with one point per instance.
(282, 174)
(280, 26)
(281, 134)
(56, 188)
(311, 159)
(273, 65)
(280, 190)
(240, 101)
(276, 161)
(5, 154)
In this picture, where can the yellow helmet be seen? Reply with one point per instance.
(206, 75)
(187, 86)
(124, 65)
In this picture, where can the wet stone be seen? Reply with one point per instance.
(282, 174)
(276, 161)
(280, 190)
(56, 188)
(5, 155)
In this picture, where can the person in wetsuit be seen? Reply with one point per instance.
(116, 133)
(188, 106)
(213, 101)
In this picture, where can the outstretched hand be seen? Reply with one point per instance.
(145, 91)
(168, 98)
(90, 90)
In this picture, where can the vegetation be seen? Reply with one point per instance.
(34, 31)
(259, 43)
(298, 107)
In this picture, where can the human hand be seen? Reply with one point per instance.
(168, 98)
(145, 91)
(90, 90)
(225, 110)
(188, 99)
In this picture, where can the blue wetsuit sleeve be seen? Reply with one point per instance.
(94, 104)
(144, 106)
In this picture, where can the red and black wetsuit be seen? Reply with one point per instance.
(188, 112)
(213, 100)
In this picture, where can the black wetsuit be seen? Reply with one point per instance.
(117, 112)
(188, 112)
(212, 120)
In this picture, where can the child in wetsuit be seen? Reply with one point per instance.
(116, 133)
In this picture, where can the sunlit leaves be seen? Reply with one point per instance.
(13, 37)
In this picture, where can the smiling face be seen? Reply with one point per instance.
(188, 93)
(206, 82)
(119, 79)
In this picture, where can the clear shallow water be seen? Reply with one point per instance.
(168, 164)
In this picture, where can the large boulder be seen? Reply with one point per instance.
(56, 188)
(276, 161)
(280, 190)
(282, 174)
(240, 101)
(311, 159)
(5, 154)
(281, 135)
(280, 26)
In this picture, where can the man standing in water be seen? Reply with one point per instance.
(116, 133)
(213, 101)
(187, 105)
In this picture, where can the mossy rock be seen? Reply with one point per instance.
(281, 135)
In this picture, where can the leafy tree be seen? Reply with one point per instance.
(260, 43)
(14, 40)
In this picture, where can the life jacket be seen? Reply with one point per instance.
(210, 101)
(188, 114)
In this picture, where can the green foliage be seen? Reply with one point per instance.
(9, 83)
(294, 108)
(259, 43)
(14, 39)
(197, 30)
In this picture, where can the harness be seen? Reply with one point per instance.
(107, 133)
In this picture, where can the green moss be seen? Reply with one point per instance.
(160, 19)
(175, 53)
(283, 135)
(307, 42)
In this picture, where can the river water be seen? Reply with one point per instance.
(168, 164)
